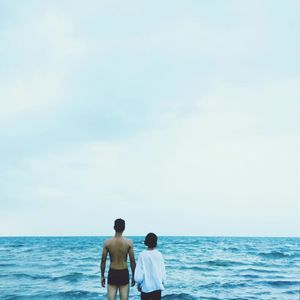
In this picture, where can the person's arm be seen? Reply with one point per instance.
(103, 263)
(139, 272)
(163, 271)
(132, 262)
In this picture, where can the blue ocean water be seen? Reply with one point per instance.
(197, 268)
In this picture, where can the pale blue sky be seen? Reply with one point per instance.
(181, 117)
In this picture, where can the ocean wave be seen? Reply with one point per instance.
(231, 285)
(71, 277)
(210, 285)
(16, 245)
(68, 295)
(210, 298)
(275, 254)
(21, 297)
(250, 276)
(292, 292)
(259, 270)
(233, 249)
(89, 258)
(226, 285)
(223, 263)
(27, 250)
(7, 265)
(80, 294)
(281, 283)
(181, 296)
(196, 268)
(29, 276)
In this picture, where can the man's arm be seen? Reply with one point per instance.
(132, 262)
(103, 263)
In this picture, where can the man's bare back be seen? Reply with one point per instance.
(118, 248)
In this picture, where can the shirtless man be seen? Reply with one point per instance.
(118, 249)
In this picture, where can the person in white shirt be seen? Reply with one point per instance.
(150, 273)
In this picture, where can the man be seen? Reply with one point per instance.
(150, 273)
(118, 276)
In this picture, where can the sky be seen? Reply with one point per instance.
(180, 117)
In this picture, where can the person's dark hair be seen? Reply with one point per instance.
(151, 240)
(119, 225)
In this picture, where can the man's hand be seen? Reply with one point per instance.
(103, 281)
(132, 282)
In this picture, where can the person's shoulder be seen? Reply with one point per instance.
(128, 241)
(107, 241)
(158, 253)
(143, 253)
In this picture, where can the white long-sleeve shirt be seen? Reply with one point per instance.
(150, 271)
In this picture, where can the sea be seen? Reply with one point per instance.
(197, 268)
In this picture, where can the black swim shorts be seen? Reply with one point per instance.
(155, 295)
(118, 277)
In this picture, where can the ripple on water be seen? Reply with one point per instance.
(224, 263)
(276, 254)
(281, 283)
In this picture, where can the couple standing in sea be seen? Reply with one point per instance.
(149, 271)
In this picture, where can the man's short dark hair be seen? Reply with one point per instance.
(151, 240)
(119, 225)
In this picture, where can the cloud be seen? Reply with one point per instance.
(264, 109)
(201, 169)
(29, 96)
(39, 54)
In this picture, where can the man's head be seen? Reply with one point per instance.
(119, 225)
(151, 240)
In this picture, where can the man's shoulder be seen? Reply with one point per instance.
(128, 241)
(122, 240)
(107, 241)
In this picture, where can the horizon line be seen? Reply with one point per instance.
(204, 236)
